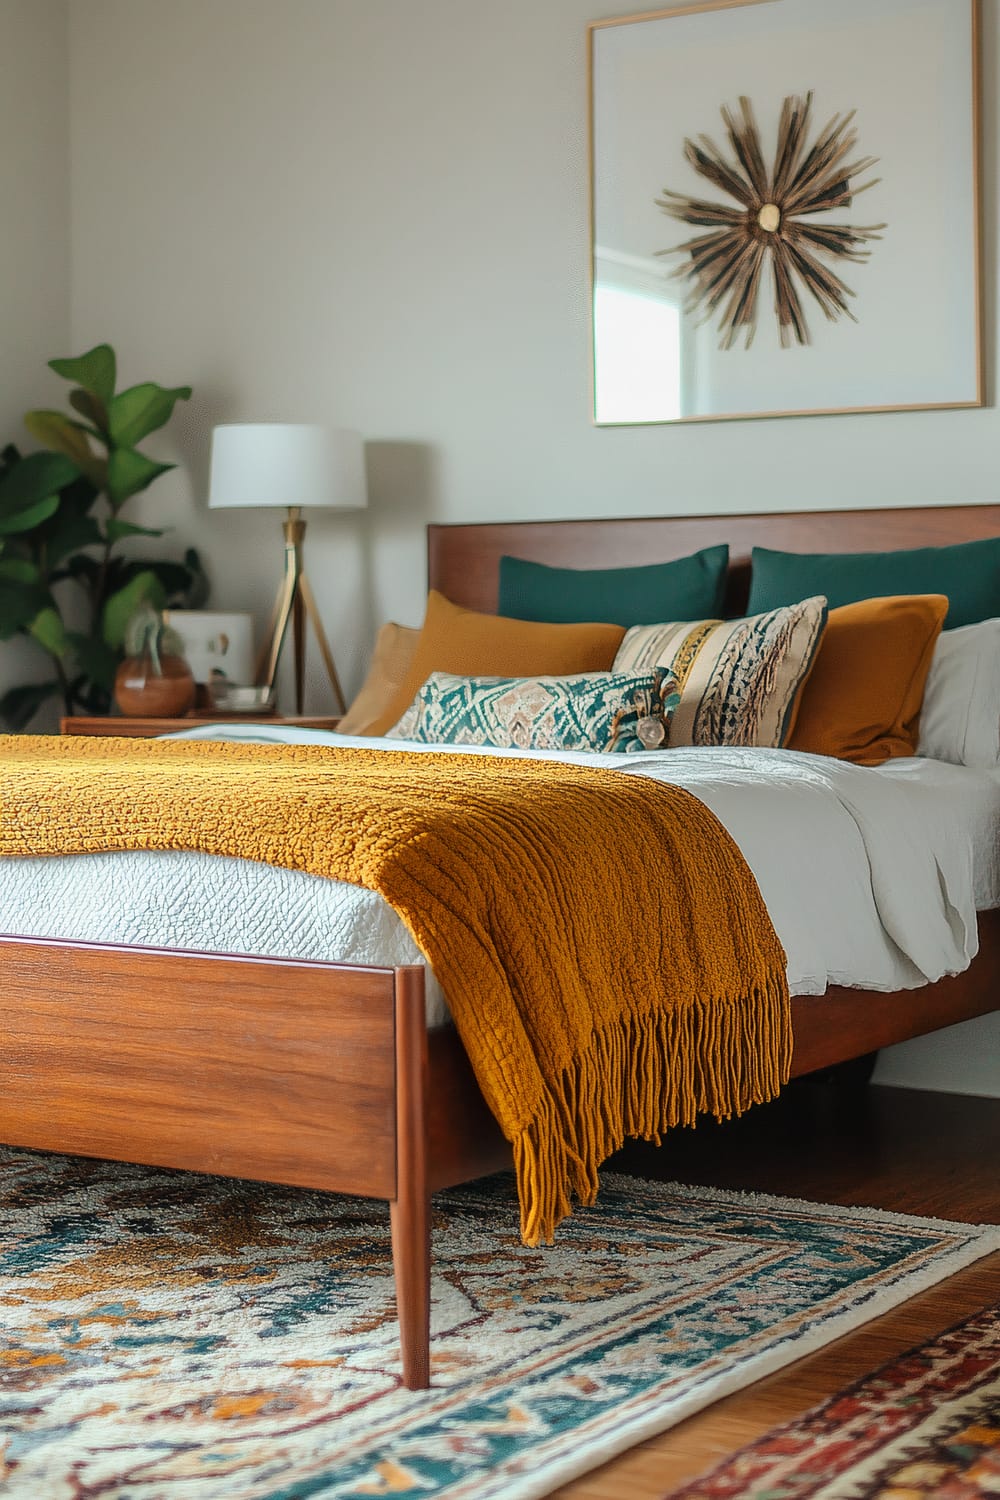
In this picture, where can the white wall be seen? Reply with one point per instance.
(376, 212)
(961, 1060)
(34, 244)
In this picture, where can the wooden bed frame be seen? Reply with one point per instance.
(324, 1075)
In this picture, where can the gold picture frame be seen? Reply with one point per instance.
(733, 273)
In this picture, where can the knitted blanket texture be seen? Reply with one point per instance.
(605, 952)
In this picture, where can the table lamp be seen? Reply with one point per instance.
(296, 465)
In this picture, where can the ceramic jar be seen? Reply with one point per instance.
(142, 693)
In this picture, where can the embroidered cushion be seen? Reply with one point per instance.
(739, 680)
(470, 644)
(619, 712)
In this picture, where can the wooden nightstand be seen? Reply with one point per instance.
(112, 724)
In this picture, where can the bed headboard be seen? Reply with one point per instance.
(464, 561)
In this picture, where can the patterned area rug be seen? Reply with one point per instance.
(926, 1424)
(165, 1335)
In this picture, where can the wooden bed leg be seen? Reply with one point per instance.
(410, 1210)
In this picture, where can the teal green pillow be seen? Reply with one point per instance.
(600, 711)
(689, 588)
(969, 573)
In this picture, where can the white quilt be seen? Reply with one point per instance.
(867, 877)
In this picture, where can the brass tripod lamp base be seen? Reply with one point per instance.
(294, 603)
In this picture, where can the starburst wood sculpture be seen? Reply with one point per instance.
(726, 265)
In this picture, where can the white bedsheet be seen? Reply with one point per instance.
(871, 877)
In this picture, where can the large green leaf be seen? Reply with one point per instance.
(67, 531)
(144, 588)
(34, 477)
(135, 413)
(18, 570)
(48, 630)
(63, 435)
(19, 705)
(89, 406)
(95, 371)
(33, 515)
(96, 660)
(20, 603)
(29, 490)
(129, 472)
(115, 530)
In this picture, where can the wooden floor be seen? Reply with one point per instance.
(929, 1154)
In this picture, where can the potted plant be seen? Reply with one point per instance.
(64, 582)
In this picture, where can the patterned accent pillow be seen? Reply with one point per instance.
(739, 680)
(598, 711)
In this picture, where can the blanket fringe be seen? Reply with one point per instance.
(641, 1077)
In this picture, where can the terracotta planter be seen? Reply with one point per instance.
(142, 693)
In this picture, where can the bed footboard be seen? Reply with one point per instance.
(245, 1067)
(307, 1074)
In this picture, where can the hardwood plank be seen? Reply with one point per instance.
(907, 1150)
(214, 1063)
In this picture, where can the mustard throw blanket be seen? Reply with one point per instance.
(604, 949)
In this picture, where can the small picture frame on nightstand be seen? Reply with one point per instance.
(217, 645)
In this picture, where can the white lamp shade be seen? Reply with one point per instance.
(287, 463)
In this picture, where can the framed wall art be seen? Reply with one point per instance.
(785, 209)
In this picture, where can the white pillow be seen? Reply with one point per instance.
(960, 718)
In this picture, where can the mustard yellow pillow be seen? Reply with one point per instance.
(468, 644)
(394, 648)
(862, 699)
